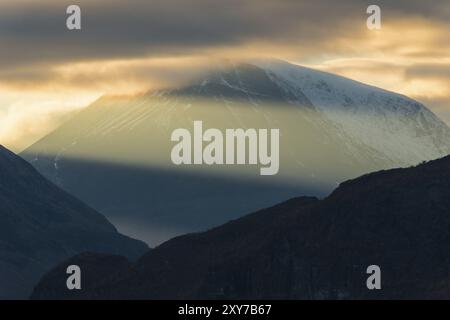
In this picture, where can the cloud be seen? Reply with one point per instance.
(135, 45)
(35, 39)
(32, 123)
(36, 33)
(25, 116)
(437, 71)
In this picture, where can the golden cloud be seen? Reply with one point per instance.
(142, 45)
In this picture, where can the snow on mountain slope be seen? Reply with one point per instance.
(399, 127)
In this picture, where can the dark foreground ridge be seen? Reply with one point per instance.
(41, 225)
(304, 248)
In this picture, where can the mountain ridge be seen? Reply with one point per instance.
(304, 248)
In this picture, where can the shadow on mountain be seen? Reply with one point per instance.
(156, 204)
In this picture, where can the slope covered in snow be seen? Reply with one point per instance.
(401, 128)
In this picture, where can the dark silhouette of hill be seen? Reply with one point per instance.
(41, 225)
(304, 248)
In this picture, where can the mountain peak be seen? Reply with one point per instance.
(14, 167)
(5, 152)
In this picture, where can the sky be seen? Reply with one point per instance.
(48, 72)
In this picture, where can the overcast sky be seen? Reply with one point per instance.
(135, 45)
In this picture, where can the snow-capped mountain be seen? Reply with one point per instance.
(115, 154)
